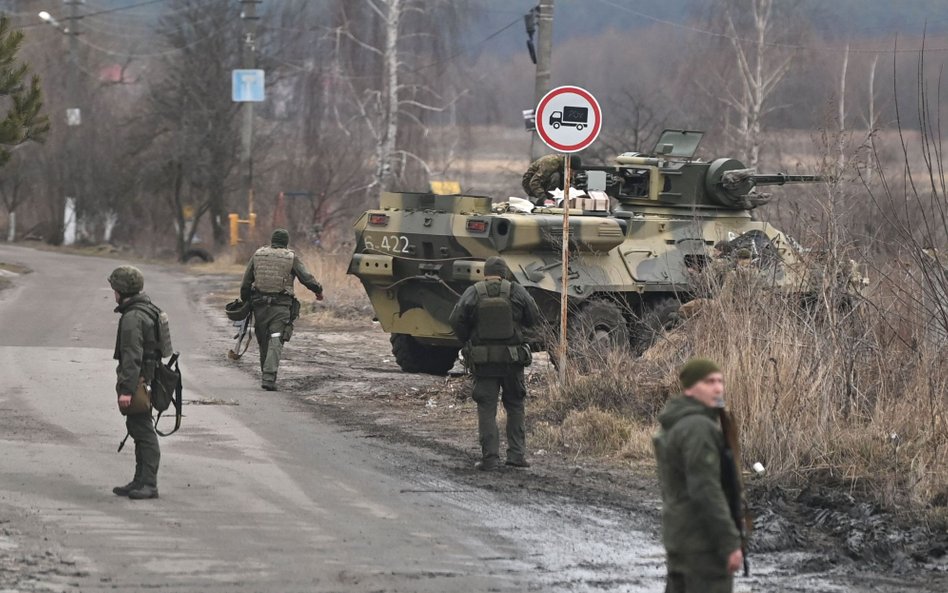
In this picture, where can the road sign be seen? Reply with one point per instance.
(73, 116)
(568, 119)
(247, 86)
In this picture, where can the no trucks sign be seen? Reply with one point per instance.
(568, 119)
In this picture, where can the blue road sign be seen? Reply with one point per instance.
(247, 86)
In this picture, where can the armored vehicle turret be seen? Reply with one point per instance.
(630, 267)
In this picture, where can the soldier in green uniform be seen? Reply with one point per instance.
(491, 318)
(268, 284)
(544, 175)
(138, 352)
(701, 540)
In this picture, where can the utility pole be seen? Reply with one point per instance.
(544, 64)
(248, 14)
(73, 120)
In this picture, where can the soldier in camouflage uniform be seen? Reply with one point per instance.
(491, 318)
(544, 175)
(138, 352)
(702, 542)
(268, 284)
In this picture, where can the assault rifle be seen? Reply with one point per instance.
(733, 481)
(242, 337)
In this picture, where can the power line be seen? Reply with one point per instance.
(794, 46)
(467, 50)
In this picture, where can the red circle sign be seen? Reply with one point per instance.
(568, 119)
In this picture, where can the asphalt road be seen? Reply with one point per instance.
(259, 496)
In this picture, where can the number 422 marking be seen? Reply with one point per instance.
(392, 243)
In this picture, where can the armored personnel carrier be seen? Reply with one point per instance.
(630, 268)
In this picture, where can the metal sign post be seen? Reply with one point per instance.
(568, 120)
(564, 288)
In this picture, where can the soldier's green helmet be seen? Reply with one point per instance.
(495, 266)
(280, 238)
(127, 280)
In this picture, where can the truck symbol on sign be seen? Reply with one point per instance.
(575, 117)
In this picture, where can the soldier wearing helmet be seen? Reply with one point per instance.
(268, 284)
(491, 318)
(138, 351)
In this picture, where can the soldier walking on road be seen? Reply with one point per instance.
(268, 285)
(491, 318)
(138, 352)
(703, 545)
(544, 175)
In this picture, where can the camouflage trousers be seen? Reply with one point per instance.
(486, 392)
(147, 452)
(271, 318)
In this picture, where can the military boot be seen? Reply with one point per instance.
(144, 493)
(126, 489)
(516, 439)
(487, 465)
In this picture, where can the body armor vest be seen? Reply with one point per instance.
(273, 270)
(495, 319)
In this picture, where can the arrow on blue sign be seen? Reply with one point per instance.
(247, 86)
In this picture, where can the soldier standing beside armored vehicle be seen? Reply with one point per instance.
(702, 542)
(137, 351)
(490, 319)
(544, 175)
(268, 285)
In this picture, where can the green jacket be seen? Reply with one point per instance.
(136, 345)
(543, 175)
(697, 526)
(299, 272)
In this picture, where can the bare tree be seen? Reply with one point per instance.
(189, 142)
(394, 38)
(751, 27)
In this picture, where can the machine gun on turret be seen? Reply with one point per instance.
(672, 176)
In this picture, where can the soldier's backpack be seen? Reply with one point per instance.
(166, 387)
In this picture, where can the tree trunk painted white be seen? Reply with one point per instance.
(111, 219)
(11, 227)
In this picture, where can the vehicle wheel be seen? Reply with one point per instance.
(596, 328)
(579, 127)
(556, 126)
(658, 316)
(414, 357)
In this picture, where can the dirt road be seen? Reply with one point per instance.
(274, 491)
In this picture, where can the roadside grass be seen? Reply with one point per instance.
(852, 396)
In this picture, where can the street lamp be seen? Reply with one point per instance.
(51, 21)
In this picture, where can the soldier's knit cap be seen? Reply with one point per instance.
(743, 254)
(496, 266)
(280, 238)
(695, 370)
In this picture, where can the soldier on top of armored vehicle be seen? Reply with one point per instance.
(629, 269)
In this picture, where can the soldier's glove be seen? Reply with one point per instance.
(319, 296)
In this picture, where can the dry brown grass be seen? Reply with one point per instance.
(829, 395)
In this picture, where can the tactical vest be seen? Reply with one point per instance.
(495, 320)
(497, 340)
(273, 270)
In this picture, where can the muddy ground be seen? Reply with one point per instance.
(829, 538)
